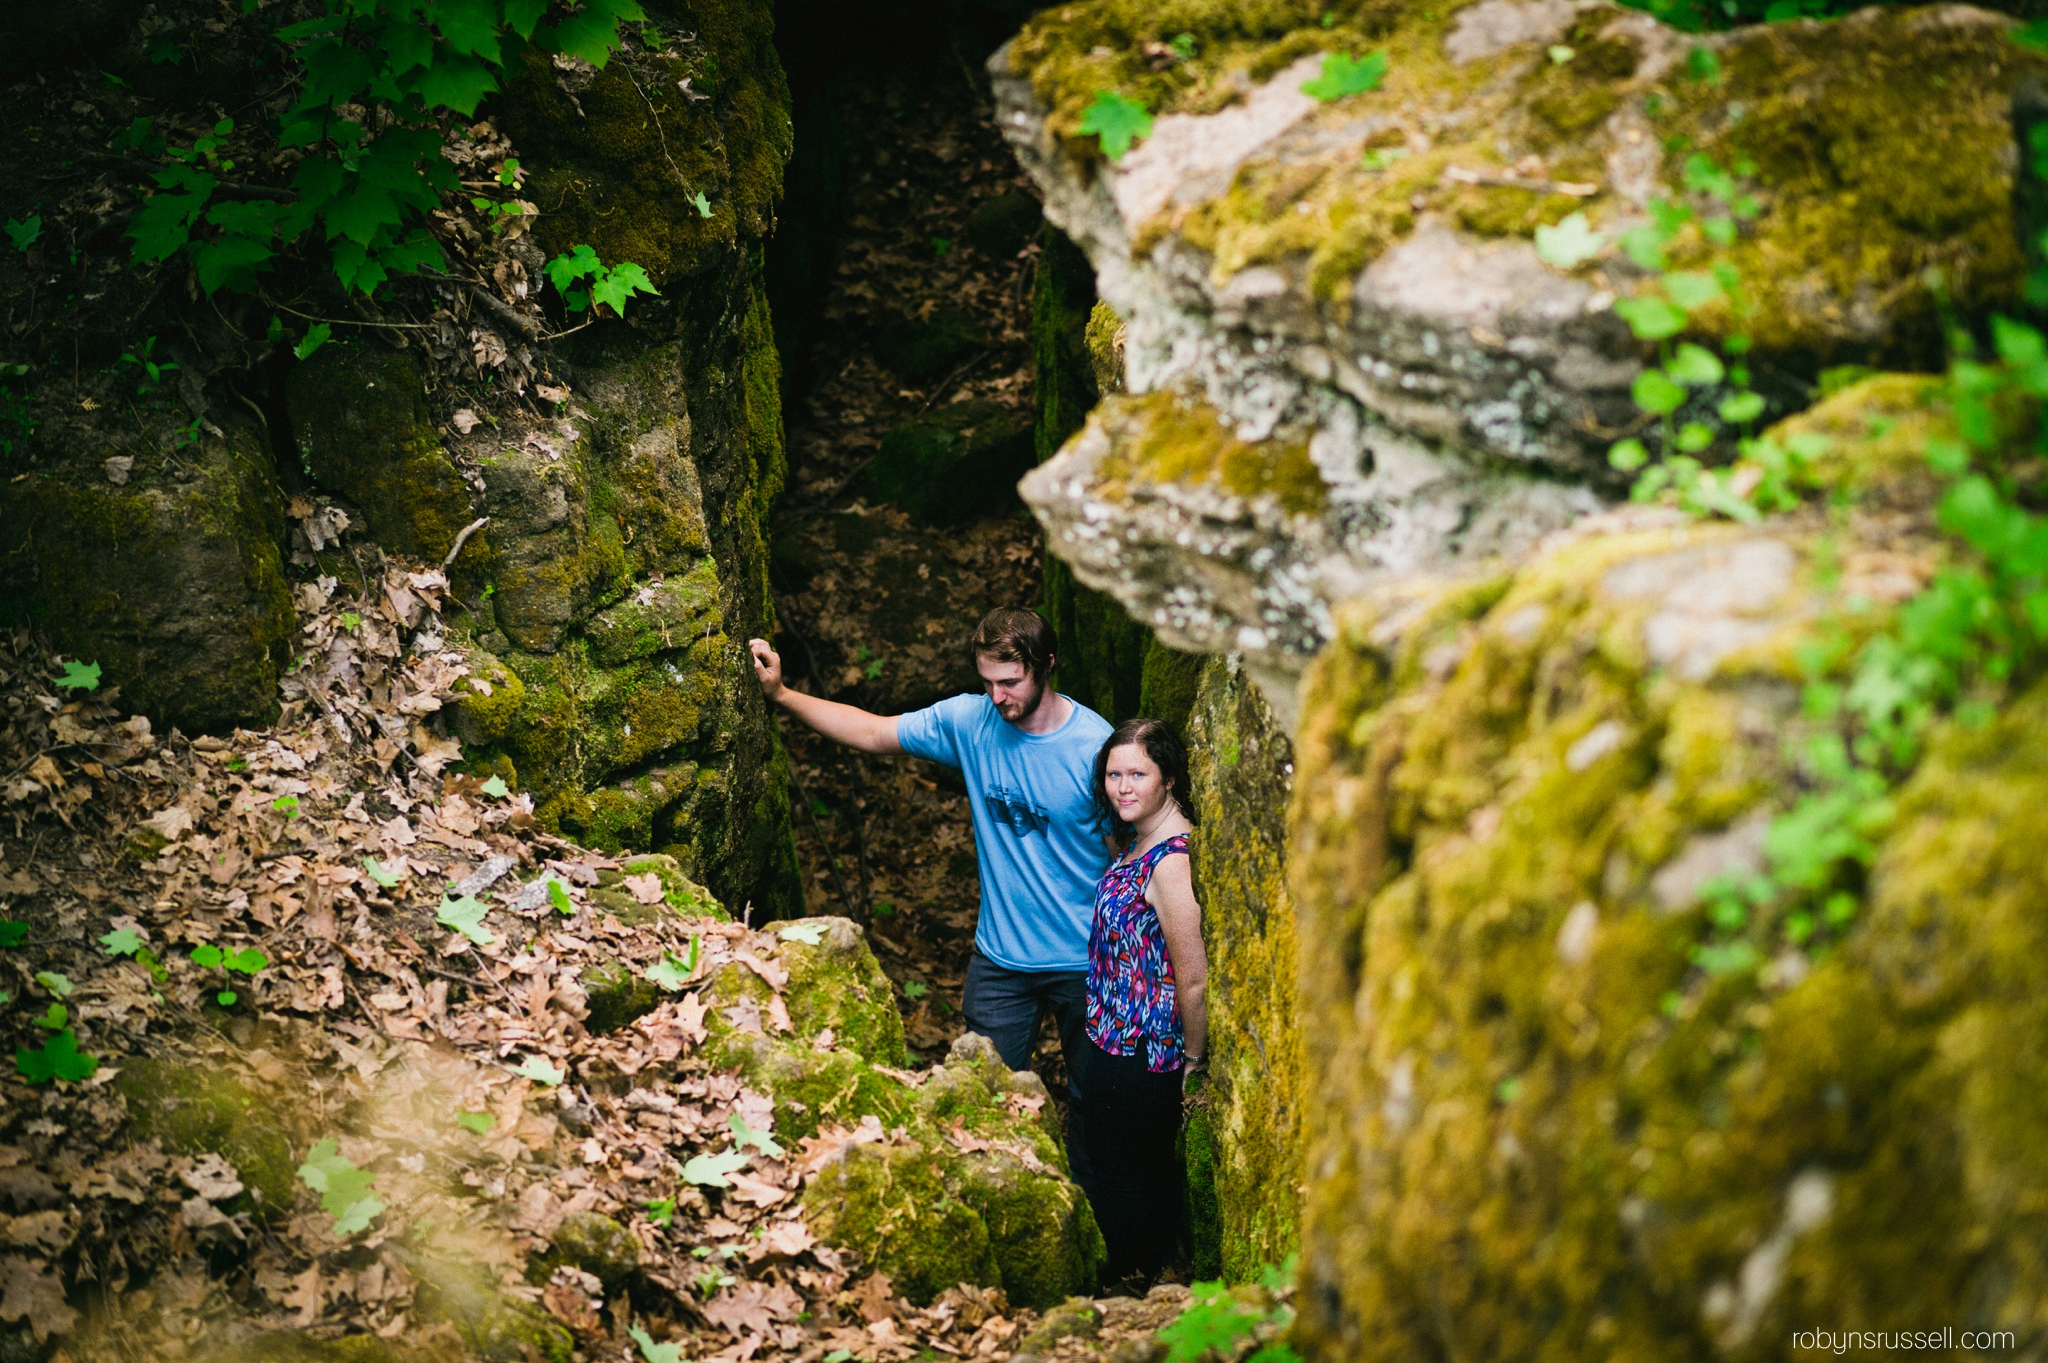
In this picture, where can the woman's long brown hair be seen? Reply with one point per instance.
(1167, 752)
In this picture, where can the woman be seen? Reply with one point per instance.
(1147, 978)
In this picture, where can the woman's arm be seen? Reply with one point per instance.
(1172, 896)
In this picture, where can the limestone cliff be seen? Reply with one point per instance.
(1344, 358)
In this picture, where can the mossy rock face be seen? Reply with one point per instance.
(920, 348)
(931, 1214)
(172, 581)
(595, 1244)
(974, 1189)
(623, 161)
(1531, 1116)
(954, 465)
(1351, 288)
(1248, 1143)
(681, 896)
(194, 1110)
(497, 1328)
(361, 426)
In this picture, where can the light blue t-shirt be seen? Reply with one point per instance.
(1033, 799)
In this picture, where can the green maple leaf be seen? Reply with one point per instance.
(121, 942)
(540, 1071)
(496, 788)
(59, 1058)
(56, 1019)
(78, 676)
(618, 284)
(701, 204)
(478, 1122)
(558, 895)
(380, 873)
(810, 934)
(60, 986)
(660, 1210)
(744, 1135)
(1343, 75)
(315, 337)
(466, 916)
(711, 1170)
(1116, 122)
(1568, 245)
(345, 1192)
(915, 989)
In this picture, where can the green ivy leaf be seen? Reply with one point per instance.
(1692, 289)
(1568, 245)
(710, 1170)
(538, 1069)
(1655, 392)
(345, 1191)
(1116, 122)
(466, 916)
(25, 232)
(78, 676)
(744, 1135)
(915, 989)
(669, 973)
(650, 1352)
(59, 1058)
(1651, 319)
(620, 283)
(1739, 408)
(1695, 366)
(1344, 75)
(315, 337)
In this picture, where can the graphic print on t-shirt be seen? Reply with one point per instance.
(1017, 811)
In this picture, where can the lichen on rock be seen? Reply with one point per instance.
(1533, 1111)
(1355, 278)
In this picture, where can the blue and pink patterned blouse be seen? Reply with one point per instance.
(1130, 976)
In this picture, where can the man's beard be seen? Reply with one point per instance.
(1024, 710)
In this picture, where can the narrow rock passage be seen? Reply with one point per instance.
(921, 348)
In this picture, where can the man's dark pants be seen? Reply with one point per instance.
(1005, 1006)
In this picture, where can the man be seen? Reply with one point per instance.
(1028, 754)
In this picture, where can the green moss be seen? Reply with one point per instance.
(617, 997)
(595, 1244)
(1105, 340)
(1170, 438)
(495, 1327)
(194, 1110)
(839, 984)
(1245, 1158)
(661, 617)
(957, 464)
(890, 1204)
(173, 583)
(361, 425)
(1530, 1117)
(1196, 1151)
(488, 699)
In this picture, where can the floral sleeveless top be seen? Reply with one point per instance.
(1130, 976)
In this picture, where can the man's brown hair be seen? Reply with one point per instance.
(1011, 634)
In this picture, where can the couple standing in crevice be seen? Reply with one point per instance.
(1088, 910)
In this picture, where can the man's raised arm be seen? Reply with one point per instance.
(847, 724)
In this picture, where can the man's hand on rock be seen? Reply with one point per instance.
(767, 667)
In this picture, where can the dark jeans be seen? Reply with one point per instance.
(1006, 1005)
(1132, 1117)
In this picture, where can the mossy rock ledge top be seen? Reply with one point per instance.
(1537, 1115)
(1343, 356)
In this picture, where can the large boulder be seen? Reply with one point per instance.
(1345, 359)
(156, 554)
(1564, 1091)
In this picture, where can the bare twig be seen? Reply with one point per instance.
(463, 538)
